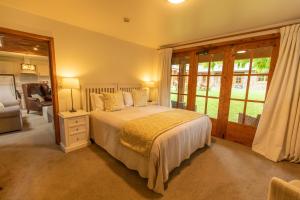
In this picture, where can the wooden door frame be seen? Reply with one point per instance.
(53, 76)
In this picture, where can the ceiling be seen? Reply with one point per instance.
(156, 22)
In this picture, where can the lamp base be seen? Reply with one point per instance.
(72, 110)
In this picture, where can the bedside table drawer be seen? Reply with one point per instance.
(77, 138)
(76, 121)
(77, 129)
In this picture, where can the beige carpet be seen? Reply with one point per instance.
(33, 167)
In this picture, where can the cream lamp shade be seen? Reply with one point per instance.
(150, 84)
(70, 83)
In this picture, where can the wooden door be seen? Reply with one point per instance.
(209, 75)
(250, 71)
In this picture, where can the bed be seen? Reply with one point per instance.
(168, 150)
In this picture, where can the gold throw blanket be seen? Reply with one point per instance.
(139, 134)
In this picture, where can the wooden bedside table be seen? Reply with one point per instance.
(74, 130)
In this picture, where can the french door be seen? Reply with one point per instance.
(250, 73)
(227, 83)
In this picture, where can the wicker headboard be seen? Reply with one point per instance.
(110, 88)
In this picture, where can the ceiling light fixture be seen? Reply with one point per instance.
(242, 51)
(35, 48)
(176, 1)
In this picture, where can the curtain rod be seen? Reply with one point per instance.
(274, 28)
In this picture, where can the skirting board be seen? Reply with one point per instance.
(75, 147)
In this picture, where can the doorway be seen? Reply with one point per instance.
(30, 60)
(229, 83)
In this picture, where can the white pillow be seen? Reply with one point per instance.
(140, 97)
(113, 101)
(39, 97)
(1, 107)
(97, 102)
(128, 101)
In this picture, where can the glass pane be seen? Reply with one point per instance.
(183, 84)
(236, 111)
(201, 85)
(253, 113)
(185, 69)
(203, 68)
(175, 69)
(180, 65)
(216, 68)
(239, 86)
(200, 104)
(241, 66)
(212, 107)
(258, 88)
(182, 102)
(174, 100)
(261, 65)
(216, 65)
(214, 86)
(174, 84)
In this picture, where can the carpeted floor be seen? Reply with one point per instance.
(33, 167)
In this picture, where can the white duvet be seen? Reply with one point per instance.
(167, 152)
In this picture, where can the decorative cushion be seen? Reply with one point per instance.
(128, 101)
(97, 102)
(140, 97)
(113, 101)
(39, 97)
(1, 107)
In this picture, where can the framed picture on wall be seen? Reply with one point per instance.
(28, 68)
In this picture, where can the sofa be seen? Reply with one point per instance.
(10, 117)
(33, 89)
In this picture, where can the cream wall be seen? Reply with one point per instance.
(94, 58)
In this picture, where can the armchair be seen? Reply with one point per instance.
(282, 190)
(35, 104)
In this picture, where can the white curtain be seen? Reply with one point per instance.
(278, 132)
(164, 67)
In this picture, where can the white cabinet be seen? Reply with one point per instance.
(74, 130)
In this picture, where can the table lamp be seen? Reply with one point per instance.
(71, 83)
(150, 85)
